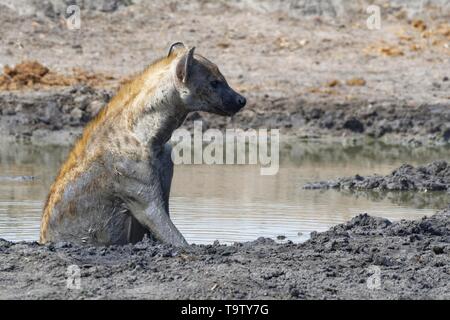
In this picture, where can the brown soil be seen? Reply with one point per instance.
(31, 74)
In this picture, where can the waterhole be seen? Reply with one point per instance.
(233, 203)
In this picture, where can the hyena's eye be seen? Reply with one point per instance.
(215, 84)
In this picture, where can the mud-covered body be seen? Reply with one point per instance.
(95, 207)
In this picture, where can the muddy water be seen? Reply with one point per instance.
(235, 203)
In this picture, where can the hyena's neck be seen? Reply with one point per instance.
(160, 114)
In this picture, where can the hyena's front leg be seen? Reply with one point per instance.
(166, 173)
(145, 193)
(149, 208)
(155, 217)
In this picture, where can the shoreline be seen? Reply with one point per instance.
(57, 117)
(412, 257)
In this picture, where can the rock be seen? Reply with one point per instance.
(94, 107)
(76, 114)
(446, 135)
(438, 250)
(354, 125)
(63, 245)
(296, 293)
(81, 101)
(49, 113)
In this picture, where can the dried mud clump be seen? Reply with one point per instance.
(33, 75)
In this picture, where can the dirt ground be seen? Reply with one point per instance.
(308, 68)
(365, 258)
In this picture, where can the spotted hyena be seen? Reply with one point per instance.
(114, 187)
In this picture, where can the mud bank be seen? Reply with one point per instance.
(57, 116)
(50, 116)
(411, 257)
(432, 177)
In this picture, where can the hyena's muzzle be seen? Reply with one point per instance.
(232, 101)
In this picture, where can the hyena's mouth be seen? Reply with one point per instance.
(223, 112)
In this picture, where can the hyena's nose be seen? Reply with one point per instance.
(241, 101)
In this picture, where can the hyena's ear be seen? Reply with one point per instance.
(174, 47)
(184, 66)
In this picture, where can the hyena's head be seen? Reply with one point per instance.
(201, 85)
